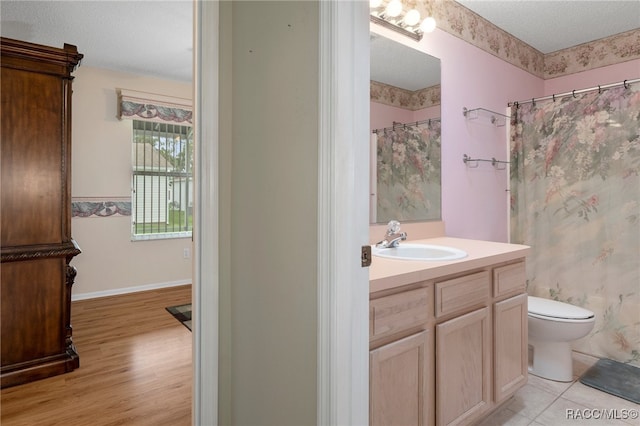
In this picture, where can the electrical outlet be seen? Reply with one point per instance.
(186, 253)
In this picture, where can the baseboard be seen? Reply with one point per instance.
(127, 290)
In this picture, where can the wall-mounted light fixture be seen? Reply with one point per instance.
(391, 14)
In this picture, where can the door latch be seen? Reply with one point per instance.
(365, 256)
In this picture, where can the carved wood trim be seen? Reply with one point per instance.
(35, 57)
(14, 254)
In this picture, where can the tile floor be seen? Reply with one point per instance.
(548, 403)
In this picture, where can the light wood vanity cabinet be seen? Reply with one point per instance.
(463, 380)
(400, 312)
(509, 346)
(509, 330)
(401, 389)
(450, 350)
(401, 359)
(463, 348)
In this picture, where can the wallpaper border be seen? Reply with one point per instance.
(402, 98)
(100, 207)
(465, 24)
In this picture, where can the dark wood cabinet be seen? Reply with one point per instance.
(35, 212)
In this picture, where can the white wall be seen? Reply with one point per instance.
(268, 225)
(101, 169)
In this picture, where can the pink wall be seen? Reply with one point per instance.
(475, 201)
(382, 115)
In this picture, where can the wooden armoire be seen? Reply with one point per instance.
(35, 212)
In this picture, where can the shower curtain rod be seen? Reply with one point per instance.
(624, 83)
(404, 125)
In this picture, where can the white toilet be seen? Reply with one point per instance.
(552, 327)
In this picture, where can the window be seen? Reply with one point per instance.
(162, 182)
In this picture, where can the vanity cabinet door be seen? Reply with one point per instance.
(463, 367)
(510, 346)
(401, 387)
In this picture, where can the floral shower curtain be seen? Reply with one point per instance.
(575, 198)
(408, 173)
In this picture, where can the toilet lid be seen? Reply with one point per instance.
(553, 309)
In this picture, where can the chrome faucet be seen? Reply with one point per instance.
(393, 236)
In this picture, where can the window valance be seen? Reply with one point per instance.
(152, 107)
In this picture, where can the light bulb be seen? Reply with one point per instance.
(428, 25)
(374, 4)
(412, 17)
(394, 8)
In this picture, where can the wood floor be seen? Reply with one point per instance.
(135, 368)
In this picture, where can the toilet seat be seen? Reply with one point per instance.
(557, 311)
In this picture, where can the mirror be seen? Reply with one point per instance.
(405, 132)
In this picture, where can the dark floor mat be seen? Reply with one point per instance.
(182, 313)
(614, 377)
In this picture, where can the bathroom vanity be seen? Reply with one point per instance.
(448, 339)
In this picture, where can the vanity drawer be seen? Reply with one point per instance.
(399, 312)
(461, 293)
(509, 279)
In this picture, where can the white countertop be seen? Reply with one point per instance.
(385, 273)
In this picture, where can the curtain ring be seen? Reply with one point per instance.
(533, 101)
(554, 97)
(599, 90)
(574, 93)
(625, 84)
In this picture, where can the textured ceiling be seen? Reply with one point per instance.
(143, 37)
(551, 25)
(402, 66)
(155, 37)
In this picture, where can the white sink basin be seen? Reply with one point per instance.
(408, 251)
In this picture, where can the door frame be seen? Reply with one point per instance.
(343, 162)
(205, 293)
(343, 214)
